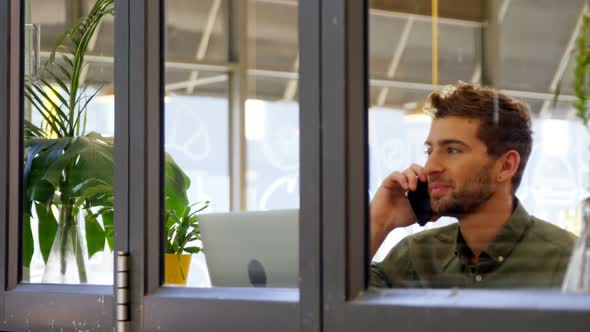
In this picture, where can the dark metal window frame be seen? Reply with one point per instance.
(334, 173)
(348, 305)
(5, 48)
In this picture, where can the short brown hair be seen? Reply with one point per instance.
(504, 122)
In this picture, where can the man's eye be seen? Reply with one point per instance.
(428, 152)
(453, 151)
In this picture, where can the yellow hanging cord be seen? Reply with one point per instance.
(434, 44)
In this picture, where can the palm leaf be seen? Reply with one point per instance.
(52, 121)
(73, 43)
(32, 131)
(81, 112)
(57, 93)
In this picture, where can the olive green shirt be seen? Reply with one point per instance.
(526, 253)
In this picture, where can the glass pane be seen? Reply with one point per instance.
(196, 31)
(272, 111)
(470, 147)
(226, 244)
(272, 135)
(68, 137)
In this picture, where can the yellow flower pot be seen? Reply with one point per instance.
(172, 267)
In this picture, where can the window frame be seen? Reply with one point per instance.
(155, 307)
(5, 92)
(348, 304)
(138, 127)
(37, 305)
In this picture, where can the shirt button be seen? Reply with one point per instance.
(500, 259)
(478, 278)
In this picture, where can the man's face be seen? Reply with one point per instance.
(460, 172)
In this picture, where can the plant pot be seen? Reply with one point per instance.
(176, 268)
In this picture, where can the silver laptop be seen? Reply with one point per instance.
(246, 249)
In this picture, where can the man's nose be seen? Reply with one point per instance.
(433, 165)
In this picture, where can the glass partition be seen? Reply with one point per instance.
(272, 109)
(231, 136)
(68, 142)
(452, 89)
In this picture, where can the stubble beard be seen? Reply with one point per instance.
(477, 191)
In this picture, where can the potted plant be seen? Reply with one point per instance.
(182, 230)
(68, 173)
(581, 71)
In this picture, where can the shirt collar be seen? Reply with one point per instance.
(503, 244)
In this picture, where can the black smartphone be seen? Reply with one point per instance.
(420, 203)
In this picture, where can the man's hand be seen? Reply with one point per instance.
(390, 208)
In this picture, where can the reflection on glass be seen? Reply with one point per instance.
(206, 243)
(467, 247)
(68, 146)
(272, 134)
(272, 113)
(197, 178)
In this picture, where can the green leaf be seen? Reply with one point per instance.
(41, 154)
(33, 95)
(67, 60)
(203, 206)
(89, 156)
(176, 185)
(28, 243)
(81, 112)
(58, 94)
(107, 220)
(32, 151)
(95, 235)
(47, 229)
(180, 231)
(32, 131)
(92, 192)
(192, 250)
(581, 69)
(60, 118)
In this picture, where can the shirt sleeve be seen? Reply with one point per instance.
(395, 271)
(377, 278)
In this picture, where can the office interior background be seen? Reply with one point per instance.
(231, 117)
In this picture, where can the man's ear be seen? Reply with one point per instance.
(507, 165)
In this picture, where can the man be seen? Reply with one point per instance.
(478, 146)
